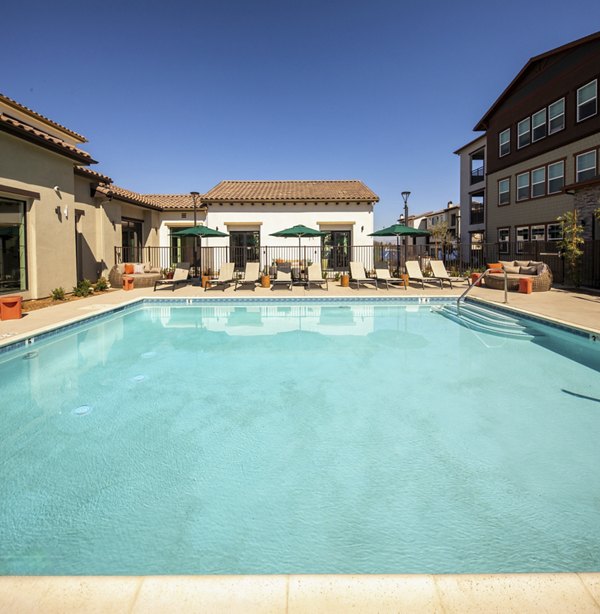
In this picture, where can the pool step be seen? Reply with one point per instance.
(486, 320)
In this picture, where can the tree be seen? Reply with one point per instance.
(571, 242)
(439, 234)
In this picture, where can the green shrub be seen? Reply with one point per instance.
(101, 285)
(83, 288)
(58, 294)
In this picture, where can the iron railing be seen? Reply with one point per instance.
(336, 260)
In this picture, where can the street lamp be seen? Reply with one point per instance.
(405, 196)
(194, 194)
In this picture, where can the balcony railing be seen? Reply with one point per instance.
(477, 174)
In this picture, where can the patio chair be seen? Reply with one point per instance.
(180, 276)
(414, 273)
(284, 276)
(250, 275)
(439, 271)
(357, 274)
(315, 276)
(224, 279)
(382, 273)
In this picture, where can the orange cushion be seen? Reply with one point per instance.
(496, 267)
(128, 269)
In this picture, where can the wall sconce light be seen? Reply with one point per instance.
(362, 228)
(66, 212)
(56, 189)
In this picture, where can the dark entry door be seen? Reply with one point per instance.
(244, 246)
(336, 248)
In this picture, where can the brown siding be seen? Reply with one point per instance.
(547, 81)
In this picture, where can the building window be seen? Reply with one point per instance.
(477, 208)
(504, 142)
(476, 240)
(556, 177)
(522, 237)
(538, 233)
(538, 123)
(556, 116)
(538, 182)
(503, 240)
(524, 133)
(587, 100)
(13, 246)
(523, 186)
(585, 166)
(554, 232)
(504, 191)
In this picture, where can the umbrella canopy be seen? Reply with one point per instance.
(299, 231)
(399, 230)
(198, 232)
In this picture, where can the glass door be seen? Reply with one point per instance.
(131, 240)
(336, 249)
(244, 246)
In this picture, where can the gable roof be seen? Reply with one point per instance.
(175, 201)
(483, 122)
(278, 191)
(114, 191)
(17, 105)
(88, 172)
(39, 137)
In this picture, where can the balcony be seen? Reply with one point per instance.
(477, 174)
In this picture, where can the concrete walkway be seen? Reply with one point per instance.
(465, 594)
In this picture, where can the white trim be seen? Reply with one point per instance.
(544, 124)
(594, 97)
(500, 154)
(561, 114)
(534, 183)
(519, 133)
(589, 168)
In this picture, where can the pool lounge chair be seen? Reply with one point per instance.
(357, 274)
(284, 277)
(315, 276)
(414, 273)
(224, 279)
(439, 271)
(180, 276)
(250, 275)
(383, 274)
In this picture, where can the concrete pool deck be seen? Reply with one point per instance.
(523, 593)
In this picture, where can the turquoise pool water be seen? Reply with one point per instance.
(300, 437)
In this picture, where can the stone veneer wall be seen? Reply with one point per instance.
(587, 201)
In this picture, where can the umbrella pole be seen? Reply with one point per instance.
(397, 256)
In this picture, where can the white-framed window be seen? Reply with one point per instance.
(524, 133)
(554, 232)
(538, 182)
(538, 125)
(504, 140)
(585, 166)
(522, 236)
(476, 240)
(556, 177)
(587, 100)
(538, 232)
(523, 186)
(504, 191)
(503, 240)
(556, 116)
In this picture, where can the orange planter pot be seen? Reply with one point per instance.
(10, 308)
(475, 277)
(526, 285)
(205, 280)
(265, 281)
(345, 281)
(127, 283)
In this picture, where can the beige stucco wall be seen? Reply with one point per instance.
(50, 234)
(541, 210)
(467, 188)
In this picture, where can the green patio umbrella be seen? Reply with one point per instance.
(399, 230)
(199, 232)
(299, 231)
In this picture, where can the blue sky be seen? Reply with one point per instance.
(177, 96)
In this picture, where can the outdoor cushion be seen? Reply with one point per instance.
(506, 263)
(534, 263)
(129, 269)
(495, 266)
(509, 268)
(528, 270)
(147, 267)
(138, 268)
(521, 262)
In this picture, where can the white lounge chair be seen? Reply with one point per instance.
(439, 271)
(414, 273)
(315, 276)
(250, 275)
(357, 274)
(225, 277)
(383, 274)
(180, 276)
(284, 277)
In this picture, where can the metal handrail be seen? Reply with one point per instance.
(478, 282)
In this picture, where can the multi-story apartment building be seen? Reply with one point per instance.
(540, 154)
(450, 215)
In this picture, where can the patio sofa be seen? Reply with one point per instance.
(516, 270)
(144, 276)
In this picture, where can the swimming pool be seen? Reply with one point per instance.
(298, 437)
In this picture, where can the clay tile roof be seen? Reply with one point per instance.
(32, 113)
(88, 172)
(277, 191)
(175, 201)
(23, 130)
(114, 191)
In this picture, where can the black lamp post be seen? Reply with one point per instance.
(194, 194)
(405, 196)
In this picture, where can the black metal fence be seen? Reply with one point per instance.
(336, 260)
